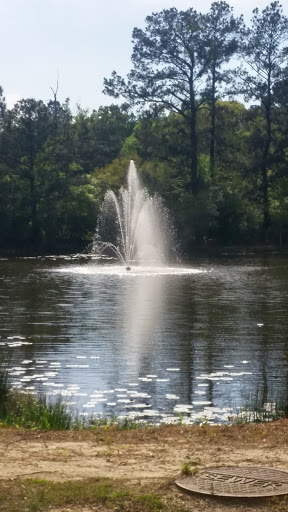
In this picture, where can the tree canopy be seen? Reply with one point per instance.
(218, 160)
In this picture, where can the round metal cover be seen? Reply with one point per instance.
(237, 481)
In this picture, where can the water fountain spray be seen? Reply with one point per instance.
(132, 225)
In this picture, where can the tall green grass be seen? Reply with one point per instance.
(264, 405)
(29, 411)
(4, 386)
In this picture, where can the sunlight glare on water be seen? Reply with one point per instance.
(170, 340)
(120, 270)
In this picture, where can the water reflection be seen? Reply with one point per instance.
(162, 339)
(140, 316)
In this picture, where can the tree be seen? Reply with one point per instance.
(168, 71)
(280, 122)
(2, 106)
(219, 42)
(30, 125)
(99, 136)
(29, 150)
(265, 55)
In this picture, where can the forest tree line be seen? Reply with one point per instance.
(204, 114)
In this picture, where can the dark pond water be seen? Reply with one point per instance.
(148, 342)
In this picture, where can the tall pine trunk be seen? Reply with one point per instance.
(264, 165)
(193, 153)
(34, 213)
(193, 139)
(213, 123)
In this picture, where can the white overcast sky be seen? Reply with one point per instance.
(81, 40)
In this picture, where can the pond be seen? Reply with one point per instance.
(199, 339)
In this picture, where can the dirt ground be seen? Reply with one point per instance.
(152, 456)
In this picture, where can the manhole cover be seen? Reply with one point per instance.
(237, 481)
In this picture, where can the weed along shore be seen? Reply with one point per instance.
(50, 460)
(108, 468)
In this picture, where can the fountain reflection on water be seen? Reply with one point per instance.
(175, 342)
(132, 226)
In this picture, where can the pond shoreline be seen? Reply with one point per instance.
(207, 339)
(151, 459)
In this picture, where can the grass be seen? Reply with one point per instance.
(29, 411)
(188, 469)
(38, 412)
(4, 388)
(150, 501)
(32, 412)
(115, 423)
(264, 406)
(39, 495)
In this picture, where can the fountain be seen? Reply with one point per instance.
(132, 226)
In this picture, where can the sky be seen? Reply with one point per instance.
(78, 41)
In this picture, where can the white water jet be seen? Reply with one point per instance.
(132, 226)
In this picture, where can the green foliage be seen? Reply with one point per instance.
(29, 411)
(264, 405)
(151, 500)
(220, 166)
(4, 386)
(188, 469)
(26, 410)
(266, 55)
(98, 137)
(114, 423)
(49, 196)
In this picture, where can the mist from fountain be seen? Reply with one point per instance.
(133, 226)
